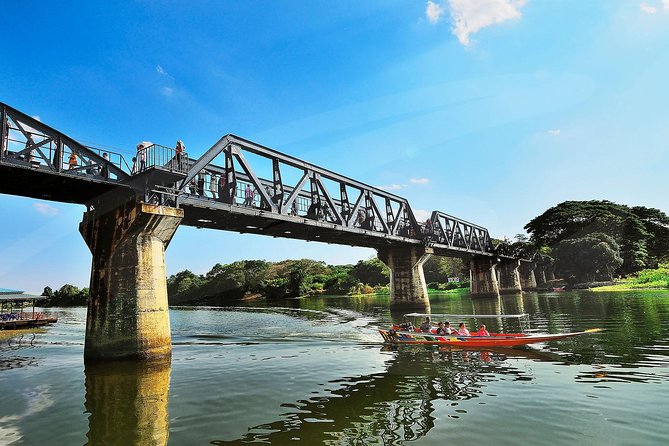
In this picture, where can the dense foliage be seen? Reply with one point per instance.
(290, 278)
(574, 230)
(67, 296)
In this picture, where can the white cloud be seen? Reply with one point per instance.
(470, 16)
(648, 9)
(554, 132)
(45, 209)
(37, 118)
(167, 91)
(392, 187)
(161, 70)
(419, 180)
(665, 5)
(433, 11)
(421, 214)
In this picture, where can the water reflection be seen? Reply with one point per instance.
(127, 402)
(392, 407)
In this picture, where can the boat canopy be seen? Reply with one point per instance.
(465, 316)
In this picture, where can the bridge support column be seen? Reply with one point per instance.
(527, 279)
(483, 276)
(127, 309)
(407, 281)
(509, 276)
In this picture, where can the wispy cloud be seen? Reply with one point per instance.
(392, 187)
(554, 132)
(167, 91)
(648, 9)
(471, 16)
(433, 11)
(419, 180)
(45, 209)
(665, 5)
(161, 71)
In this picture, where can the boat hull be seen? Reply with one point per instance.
(494, 340)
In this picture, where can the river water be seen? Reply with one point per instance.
(313, 371)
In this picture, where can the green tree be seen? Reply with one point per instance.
(371, 272)
(576, 219)
(588, 258)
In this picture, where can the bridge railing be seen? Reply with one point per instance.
(163, 157)
(25, 141)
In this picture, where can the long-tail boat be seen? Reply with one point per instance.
(406, 333)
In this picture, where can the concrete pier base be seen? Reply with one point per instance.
(509, 276)
(528, 281)
(483, 276)
(408, 289)
(128, 315)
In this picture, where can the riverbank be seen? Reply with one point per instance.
(648, 279)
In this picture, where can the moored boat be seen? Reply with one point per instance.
(12, 314)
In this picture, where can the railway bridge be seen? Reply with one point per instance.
(133, 210)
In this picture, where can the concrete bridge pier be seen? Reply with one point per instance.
(527, 279)
(509, 276)
(127, 309)
(408, 289)
(483, 276)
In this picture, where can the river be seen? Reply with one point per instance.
(313, 371)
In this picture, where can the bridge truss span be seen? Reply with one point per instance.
(246, 187)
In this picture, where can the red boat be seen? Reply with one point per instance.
(406, 334)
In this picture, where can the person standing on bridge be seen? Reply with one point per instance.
(222, 193)
(141, 156)
(200, 183)
(180, 149)
(248, 196)
(72, 162)
(212, 185)
(104, 171)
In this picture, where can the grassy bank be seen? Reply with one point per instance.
(648, 279)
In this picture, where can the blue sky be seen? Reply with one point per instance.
(491, 110)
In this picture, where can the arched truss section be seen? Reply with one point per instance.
(26, 141)
(445, 231)
(318, 194)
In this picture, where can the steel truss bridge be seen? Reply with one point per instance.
(236, 185)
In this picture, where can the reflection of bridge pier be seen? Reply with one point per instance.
(127, 402)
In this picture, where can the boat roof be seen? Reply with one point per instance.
(19, 297)
(465, 316)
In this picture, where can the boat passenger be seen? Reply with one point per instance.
(448, 328)
(441, 330)
(482, 331)
(462, 331)
(426, 326)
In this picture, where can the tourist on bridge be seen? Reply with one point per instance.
(212, 185)
(200, 183)
(133, 169)
(248, 196)
(293, 208)
(72, 162)
(222, 190)
(141, 155)
(180, 149)
(104, 171)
